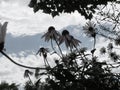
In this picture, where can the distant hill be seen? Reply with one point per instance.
(31, 43)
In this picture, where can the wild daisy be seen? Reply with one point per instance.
(65, 37)
(27, 73)
(90, 29)
(82, 50)
(3, 29)
(103, 50)
(51, 34)
(110, 46)
(43, 51)
(114, 56)
(69, 40)
(117, 40)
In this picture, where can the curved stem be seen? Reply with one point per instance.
(18, 63)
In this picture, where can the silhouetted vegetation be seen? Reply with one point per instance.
(6, 86)
(55, 7)
(77, 68)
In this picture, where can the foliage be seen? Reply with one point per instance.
(78, 69)
(55, 7)
(107, 20)
(6, 86)
(29, 86)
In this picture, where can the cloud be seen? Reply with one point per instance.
(24, 35)
(21, 2)
(22, 19)
(10, 72)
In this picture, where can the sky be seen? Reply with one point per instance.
(25, 21)
(24, 32)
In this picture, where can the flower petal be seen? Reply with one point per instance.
(61, 40)
(3, 32)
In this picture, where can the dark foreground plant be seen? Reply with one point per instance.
(76, 70)
(6, 86)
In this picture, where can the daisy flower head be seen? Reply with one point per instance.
(51, 34)
(110, 46)
(3, 29)
(27, 73)
(65, 32)
(65, 37)
(117, 41)
(89, 29)
(69, 40)
(43, 51)
(103, 50)
(82, 50)
(114, 56)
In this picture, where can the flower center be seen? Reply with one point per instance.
(50, 29)
(65, 32)
(91, 29)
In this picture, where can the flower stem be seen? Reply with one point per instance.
(59, 48)
(54, 48)
(30, 80)
(18, 63)
(47, 62)
(94, 42)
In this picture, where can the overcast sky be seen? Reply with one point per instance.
(22, 19)
(23, 29)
